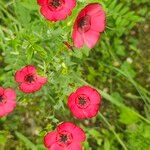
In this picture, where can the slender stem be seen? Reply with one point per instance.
(114, 132)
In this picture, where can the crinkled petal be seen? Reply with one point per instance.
(47, 13)
(93, 9)
(30, 69)
(61, 15)
(98, 22)
(70, 5)
(77, 38)
(71, 99)
(67, 126)
(55, 146)
(91, 38)
(50, 139)
(55, 15)
(30, 88)
(78, 133)
(19, 76)
(9, 106)
(41, 80)
(91, 111)
(42, 2)
(10, 94)
(75, 146)
(77, 112)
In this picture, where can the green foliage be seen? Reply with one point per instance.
(115, 65)
(138, 137)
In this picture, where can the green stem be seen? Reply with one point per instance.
(114, 132)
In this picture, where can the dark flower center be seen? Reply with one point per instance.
(82, 101)
(84, 23)
(29, 78)
(55, 4)
(1, 98)
(64, 138)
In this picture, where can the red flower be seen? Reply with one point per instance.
(29, 81)
(55, 10)
(88, 25)
(66, 137)
(85, 102)
(7, 101)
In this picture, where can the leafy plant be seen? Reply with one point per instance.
(26, 38)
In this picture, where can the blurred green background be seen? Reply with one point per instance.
(118, 67)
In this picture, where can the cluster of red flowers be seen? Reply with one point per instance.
(29, 82)
(88, 25)
(85, 102)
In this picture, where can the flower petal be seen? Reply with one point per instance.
(98, 22)
(19, 76)
(93, 9)
(91, 37)
(77, 112)
(75, 146)
(91, 111)
(10, 94)
(55, 146)
(50, 139)
(42, 2)
(78, 133)
(61, 15)
(77, 38)
(71, 4)
(9, 106)
(30, 69)
(47, 13)
(41, 80)
(30, 88)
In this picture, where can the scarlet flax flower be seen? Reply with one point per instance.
(66, 137)
(88, 25)
(55, 10)
(84, 102)
(28, 79)
(7, 101)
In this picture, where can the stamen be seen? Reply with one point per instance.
(82, 101)
(1, 98)
(56, 3)
(84, 23)
(63, 138)
(29, 78)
